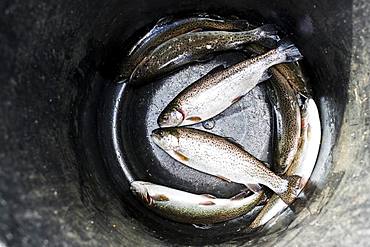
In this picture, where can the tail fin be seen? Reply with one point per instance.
(267, 31)
(291, 193)
(291, 53)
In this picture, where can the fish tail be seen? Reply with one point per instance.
(267, 31)
(289, 52)
(291, 193)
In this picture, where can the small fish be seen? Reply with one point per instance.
(192, 47)
(222, 158)
(220, 88)
(283, 97)
(288, 119)
(168, 28)
(302, 165)
(291, 71)
(191, 208)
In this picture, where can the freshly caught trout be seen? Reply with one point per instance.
(287, 113)
(168, 28)
(291, 71)
(303, 163)
(192, 47)
(220, 157)
(288, 119)
(191, 208)
(219, 89)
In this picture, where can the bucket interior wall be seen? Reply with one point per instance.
(56, 59)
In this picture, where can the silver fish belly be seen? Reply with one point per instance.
(191, 208)
(302, 165)
(218, 90)
(219, 157)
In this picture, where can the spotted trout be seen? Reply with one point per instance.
(286, 111)
(222, 158)
(168, 28)
(193, 47)
(302, 165)
(220, 88)
(288, 119)
(191, 208)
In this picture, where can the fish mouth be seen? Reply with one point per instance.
(156, 139)
(139, 190)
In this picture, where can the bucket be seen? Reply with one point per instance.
(71, 136)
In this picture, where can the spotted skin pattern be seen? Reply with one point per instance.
(191, 208)
(167, 29)
(215, 155)
(191, 47)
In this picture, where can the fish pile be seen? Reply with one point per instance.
(173, 43)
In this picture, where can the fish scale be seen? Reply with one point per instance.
(194, 46)
(217, 156)
(287, 145)
(168, 28)
(191, 208)
(220, 88)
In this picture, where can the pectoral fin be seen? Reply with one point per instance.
(180, 156)
(194, 119)
(160, 197)
(207, 203)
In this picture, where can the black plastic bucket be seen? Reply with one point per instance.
(63, 120)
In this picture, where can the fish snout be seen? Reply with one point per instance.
(141, 192)
(171, 118)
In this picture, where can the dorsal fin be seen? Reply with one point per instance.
(164, 20)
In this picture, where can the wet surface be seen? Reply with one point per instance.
(55, 184)
(248, 122)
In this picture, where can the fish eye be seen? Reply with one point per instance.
(160, 133)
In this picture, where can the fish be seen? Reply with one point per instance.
(302, 165)
(291, 71)
(222, 87)
(194, 47)
(168, 28)
(220, 157)
(185, 207)
(288, 119)
(284, 90)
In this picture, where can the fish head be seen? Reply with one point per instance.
(171, 116)
(140, 190)
(166, 138)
